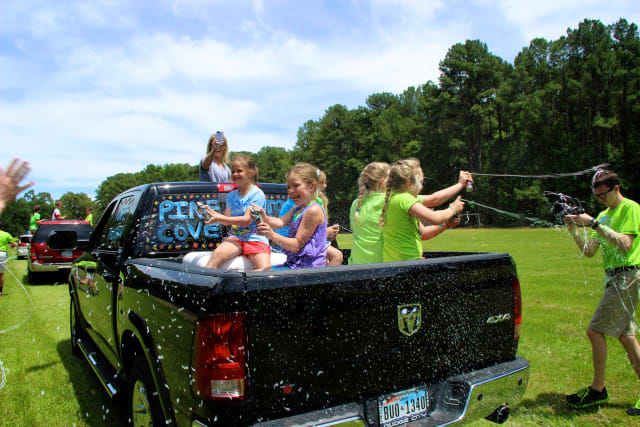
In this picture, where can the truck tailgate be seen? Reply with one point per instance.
(331, 335)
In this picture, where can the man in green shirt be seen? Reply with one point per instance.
(6, 240)
(614, 230)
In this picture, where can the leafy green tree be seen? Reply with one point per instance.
(564, 105)
(332, 144)
(113, 186)
(120, 182)
(74, 205)
(273, 164)
(15, 217)
(470, 78)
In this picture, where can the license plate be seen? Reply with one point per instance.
(67, 254)
(402, 407)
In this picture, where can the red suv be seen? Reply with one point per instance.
(46, 255)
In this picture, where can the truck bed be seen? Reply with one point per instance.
(324, 337)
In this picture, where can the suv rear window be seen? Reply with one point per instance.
(83, 231)
(25, 239)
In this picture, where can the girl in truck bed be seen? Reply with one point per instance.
(305, 245)
(402, 213)
(243, 239)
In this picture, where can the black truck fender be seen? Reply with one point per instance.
(136, 341)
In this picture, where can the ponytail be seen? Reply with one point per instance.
(363, 192)
(370, 178)
(384, 208)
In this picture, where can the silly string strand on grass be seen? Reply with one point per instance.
(3, 370)
(26, 293)
(3, 375)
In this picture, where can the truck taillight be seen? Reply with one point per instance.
(227, 187)
(220, 356)
(517, 308)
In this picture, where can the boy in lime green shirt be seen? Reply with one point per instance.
(89, 217)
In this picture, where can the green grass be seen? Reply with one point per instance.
(44, 383)
(47, 385)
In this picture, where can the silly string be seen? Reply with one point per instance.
(3, 370)
(551, 175)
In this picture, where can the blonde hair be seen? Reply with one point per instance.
(248, 163)
(225, 147)
(310, 175)
(402, 172)
(369, 180)
(322, 177)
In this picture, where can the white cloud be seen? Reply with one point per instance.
(96, 88)
(550, 19)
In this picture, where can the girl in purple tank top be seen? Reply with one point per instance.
(305, 245)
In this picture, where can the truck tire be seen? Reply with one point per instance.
(74, 327)
(144, 405)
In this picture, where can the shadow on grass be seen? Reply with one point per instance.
(554, 405)
(52, 278)
(96, 408)
(40, 367)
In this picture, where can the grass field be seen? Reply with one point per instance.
(44, 384)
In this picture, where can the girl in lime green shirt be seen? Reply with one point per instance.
(402, 213)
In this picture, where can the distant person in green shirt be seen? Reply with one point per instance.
(89, 217)
(615, 230)
(6, 240)
(35, 219)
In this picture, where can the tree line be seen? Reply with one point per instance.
(16, 215)
(564, 105)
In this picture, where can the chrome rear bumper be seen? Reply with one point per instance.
(458, 399)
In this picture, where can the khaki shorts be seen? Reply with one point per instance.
(615, 314)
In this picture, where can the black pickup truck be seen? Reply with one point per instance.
(426, 342)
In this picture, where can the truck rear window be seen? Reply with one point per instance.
(83, 231)
(174, 223)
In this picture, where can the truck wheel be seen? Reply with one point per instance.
(144, 405)
(74, 327)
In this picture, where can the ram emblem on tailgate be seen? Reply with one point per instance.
(409, 318)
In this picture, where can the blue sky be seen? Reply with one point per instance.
(89, 89)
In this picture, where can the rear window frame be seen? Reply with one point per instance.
(45, 229)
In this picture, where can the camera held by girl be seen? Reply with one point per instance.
(305, 244)
(243, 238)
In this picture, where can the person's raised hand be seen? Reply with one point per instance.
(10, 181)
